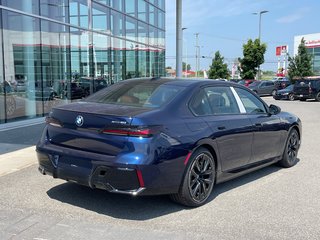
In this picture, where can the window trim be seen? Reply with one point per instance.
(263, 103)
(239, 102)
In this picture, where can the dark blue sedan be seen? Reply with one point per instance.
(166, 136)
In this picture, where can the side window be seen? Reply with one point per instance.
(222, 100)
(251, 103)
(199, 104)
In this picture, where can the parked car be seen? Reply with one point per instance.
(235, 80)
(166, 136)
(42, 94)
(286, 94)
(91, 85)
(75, 91)
(282, 84)
(307, 88)
(263, 88)
(246, 82)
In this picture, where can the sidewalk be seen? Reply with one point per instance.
(17, 144)
(17, 160)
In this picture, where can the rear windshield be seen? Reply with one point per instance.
(302, 82)
(137, 93)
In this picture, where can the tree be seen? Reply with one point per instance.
(301, 64)
(253, 57)
(184, 66)
(218, 68)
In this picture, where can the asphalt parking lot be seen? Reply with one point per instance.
(272, 203)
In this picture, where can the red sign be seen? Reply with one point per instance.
(278, 51)
(281, 50)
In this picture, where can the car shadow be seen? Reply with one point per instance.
(142, 207)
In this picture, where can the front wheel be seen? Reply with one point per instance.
(198, 180)
(290, 153)
(318, 97)
(274, 92)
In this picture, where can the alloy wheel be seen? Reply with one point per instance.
(291, 97)
(292, 147)
(201, 177)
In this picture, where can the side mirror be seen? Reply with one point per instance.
(274, 110)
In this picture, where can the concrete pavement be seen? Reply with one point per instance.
(17, 160)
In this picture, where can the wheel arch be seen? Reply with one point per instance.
(295, 127)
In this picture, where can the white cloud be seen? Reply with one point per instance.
(294, 16)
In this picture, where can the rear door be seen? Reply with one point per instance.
(231, 129)
(266, 127)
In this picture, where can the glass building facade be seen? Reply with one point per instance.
(57, 51)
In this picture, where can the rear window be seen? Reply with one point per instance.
(302, 82)
(137, 93)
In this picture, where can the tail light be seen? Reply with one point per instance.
(53, 122)
(133, 131)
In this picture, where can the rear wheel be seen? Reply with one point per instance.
(318, 97)
(198, 180)
(274, 91)
(291, 97)
(290, 153)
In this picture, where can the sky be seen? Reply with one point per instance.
(225, 25)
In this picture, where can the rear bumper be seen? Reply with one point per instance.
(102, 172)
(304, 96)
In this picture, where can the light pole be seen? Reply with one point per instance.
(260, 13)
(185, 53)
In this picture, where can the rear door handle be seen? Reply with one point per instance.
(221, 128)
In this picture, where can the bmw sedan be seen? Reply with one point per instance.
(179, 137)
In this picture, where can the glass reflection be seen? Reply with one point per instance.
(21, 40)
(48, 63)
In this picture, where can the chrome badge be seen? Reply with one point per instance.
(79, 120)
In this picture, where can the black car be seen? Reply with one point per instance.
(74, 91)
(308, 88)
(286, 94)
(91, 85)
(166, 136)
(281, 84)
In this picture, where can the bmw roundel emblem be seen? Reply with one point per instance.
(79, 120)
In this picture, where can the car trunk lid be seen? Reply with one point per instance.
(93, 127)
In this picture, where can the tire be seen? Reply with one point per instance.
(290, 153)
(291, 97)
(274, 92)
(198, 180)
(318, 97)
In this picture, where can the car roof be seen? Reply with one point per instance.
(182, 81)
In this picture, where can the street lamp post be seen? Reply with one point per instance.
(186, 62)
(260, 13)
